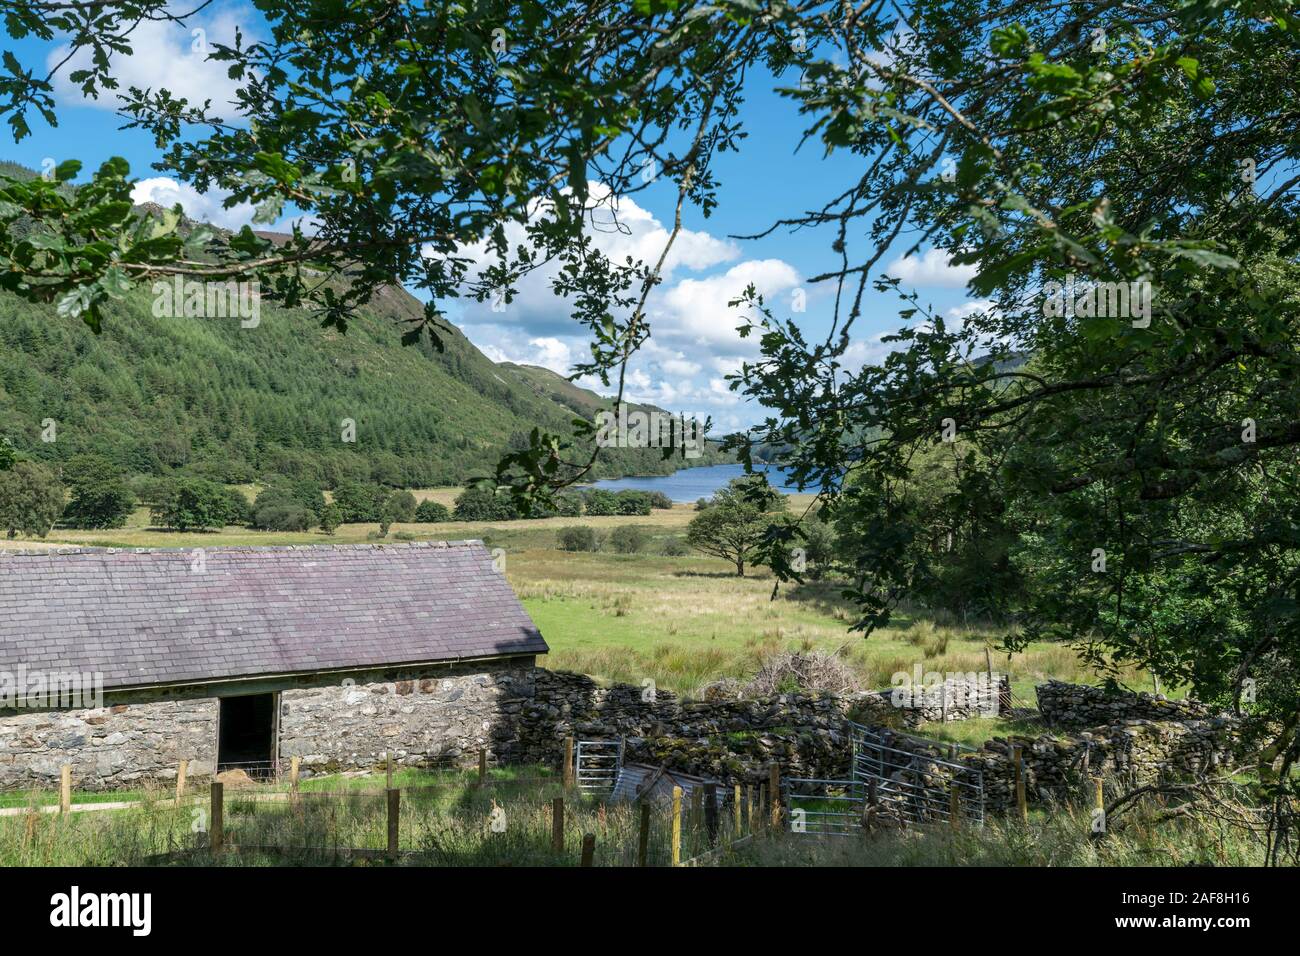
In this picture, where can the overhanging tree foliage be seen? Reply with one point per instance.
(1141, 447)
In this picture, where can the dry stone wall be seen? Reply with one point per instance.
(121, 746)
(1077, 705)
(807, 735)
(420, 721)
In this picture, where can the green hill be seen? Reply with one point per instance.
(160, 396)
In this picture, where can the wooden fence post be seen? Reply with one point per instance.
(697, 801)
(181, 771)
(774, 794)
(677, 826)
(588, 849)
(568, 762)
(711, 812)
(482, 766)
(65, 789)
(295, 766)
(735, 811)
(954, 807)
(216, 825)
(394, 820)
(1022, 804)
(557, 824)
(389, 784)
(1098, 793)
(643, 837)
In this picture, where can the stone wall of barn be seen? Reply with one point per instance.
(420, 721)
(117, 747)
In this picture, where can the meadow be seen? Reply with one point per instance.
(681, 621)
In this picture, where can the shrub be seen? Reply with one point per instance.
(628, 539)
(283, 516)
(31, 499)
(191, 504)
(568, 505)
(400, 506)
(104, 504)
(660, 500)
(702, 503)
(675, 547)
(578, 538)
(633, 503)
(235, 506)
(100, 496)
(331, 518)
(599, 502)
(484, 504)
(360, 502)
(432, 512)
(284, 507)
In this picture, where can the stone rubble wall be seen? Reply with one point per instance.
(1078, 705)
(522, 714)
(1137, 750)
(736, 740)
(421, 721)
(733, 738)
(117, 747)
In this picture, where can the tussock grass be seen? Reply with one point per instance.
(1059, 838)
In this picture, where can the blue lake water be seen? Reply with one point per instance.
(688, 484)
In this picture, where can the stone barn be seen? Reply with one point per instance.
(122, 663)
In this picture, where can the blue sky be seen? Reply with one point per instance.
(694, 343)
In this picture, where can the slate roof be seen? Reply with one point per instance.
(145, 618)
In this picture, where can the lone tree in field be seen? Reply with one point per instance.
(736, 523)
(31, 499)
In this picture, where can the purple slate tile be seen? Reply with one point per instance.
(257, 611)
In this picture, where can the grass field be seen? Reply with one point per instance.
(448, 819)
(680, 621)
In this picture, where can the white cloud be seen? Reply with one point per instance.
(164, 56)
(209, 207)
(933, 268)
(696, 310)
(201, 207)
(620, 230)
(967, 309)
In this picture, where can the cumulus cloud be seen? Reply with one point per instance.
(620, 229)
(201, 207)
(933, 268)
(210, 207)
(694, 340)
(696, 310)
(164, 56)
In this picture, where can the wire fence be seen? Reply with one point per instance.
(459, 820)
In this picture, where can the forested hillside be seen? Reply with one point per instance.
(207, 397)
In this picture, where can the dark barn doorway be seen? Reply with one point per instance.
(246, 739)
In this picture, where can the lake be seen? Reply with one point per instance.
(688, 484)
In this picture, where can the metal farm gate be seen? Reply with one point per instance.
(597, 764)
(912, 779)
(822, 807)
